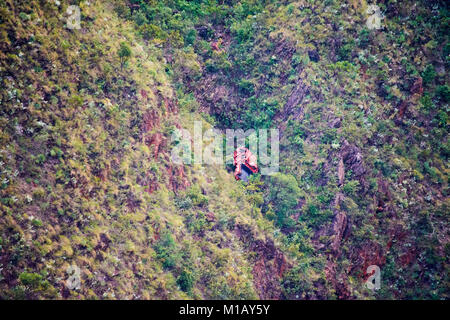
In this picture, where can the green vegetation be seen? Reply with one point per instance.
(124, 53)
(283, 194)
(86, 178)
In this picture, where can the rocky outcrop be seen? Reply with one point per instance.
(341, 171)
(269, 266)
(353, 160)
(334, 232)
(177, 178)
(337, 230)
(337, 281)
(296, 97)
(156, 141)
(150, 121)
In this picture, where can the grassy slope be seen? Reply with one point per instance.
(85, 150)
(79, 159)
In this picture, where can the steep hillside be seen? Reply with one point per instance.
(85, 141)
(86, 174)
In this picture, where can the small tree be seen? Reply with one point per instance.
(283, 193)
(124, 53)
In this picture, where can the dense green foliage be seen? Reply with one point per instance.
(86, 178)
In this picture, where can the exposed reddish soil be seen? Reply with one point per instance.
(270, 264)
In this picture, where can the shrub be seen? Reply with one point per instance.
(283, 192)
(345, 51)
(296, 284)
(426, 101)
(140, 18)
(246, 87)
(443, 93)
(166, 250)
(428, 74)
(243, 30)
(41, 158)
(151, 31)
(186, 280)
(56, 152)
(24, 16)
(122, 10)
(37, 223)
(314, 217)
(196, 196)
(364, 38)
(190, 36)
(441, 118)
(75, 101)
(183, 203)
(196, 223)
(124, 53)
(351, 187)
(31, 280)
